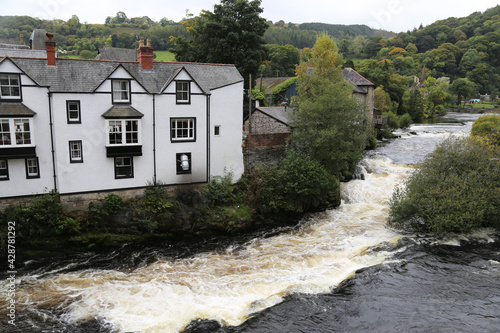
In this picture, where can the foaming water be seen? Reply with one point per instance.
(230, 285)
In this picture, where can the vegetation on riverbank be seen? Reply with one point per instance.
(277, 195)
(457, 189)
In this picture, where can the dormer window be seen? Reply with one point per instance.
(10, 87)
(182, 92)
(121, 91)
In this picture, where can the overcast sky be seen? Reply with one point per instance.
(393, 15)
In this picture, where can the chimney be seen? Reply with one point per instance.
(51, 49)
(145, 55)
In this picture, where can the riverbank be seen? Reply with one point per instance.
(266, 199)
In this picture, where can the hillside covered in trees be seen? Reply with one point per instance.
(419, 72)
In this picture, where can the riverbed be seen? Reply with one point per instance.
(341, 270)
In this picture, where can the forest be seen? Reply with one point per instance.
(420, 72)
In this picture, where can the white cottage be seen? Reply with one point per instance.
(83, 126)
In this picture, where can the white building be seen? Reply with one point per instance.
(83, 126)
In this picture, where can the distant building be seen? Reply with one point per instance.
(17, 48)
(116, 54)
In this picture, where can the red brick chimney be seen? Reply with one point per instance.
(51, 49)
(145, 54)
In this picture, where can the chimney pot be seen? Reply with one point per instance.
(148, 42)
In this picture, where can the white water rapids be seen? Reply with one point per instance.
(166, 295)
(229, 286)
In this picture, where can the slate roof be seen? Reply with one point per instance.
(125, 111)
(15, 109)
(356, 78)
(279, 113)
(75, 75)
(117, 54)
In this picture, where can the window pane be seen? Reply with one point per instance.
(115, 132)
(10, 86)
(4, 171)
(123, 167)
(4, 132)
(32, 164)
(22, 131)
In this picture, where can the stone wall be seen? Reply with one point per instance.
(262, 157)
(78, 203)
(266, 140)
(262, 123)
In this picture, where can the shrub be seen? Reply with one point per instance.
(488, 129)
(455, 190)
(148, 226)
(392, 120)
(41, 216)
(405, 121)
(296, 185)
(113, 203)
(220, 191)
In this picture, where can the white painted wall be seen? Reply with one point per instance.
(226, 151)
(35, 98)
(97, 171)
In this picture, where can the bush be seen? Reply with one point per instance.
(42, 216)
(296, 185)
(405, 121)
(488, 129)
(219, 191)
(455, 190)
(392, 120)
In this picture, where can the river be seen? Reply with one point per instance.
(340, 270)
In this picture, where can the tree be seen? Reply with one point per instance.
(232, 34)
(455, 190)
(382, 100)
(488, 129)
(416, 105)
(329, 122)
(463, 88)
(281, 60)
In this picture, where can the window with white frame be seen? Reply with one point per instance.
(32, 169)
(121, 91)
(124, 167)
(123, 132)
(217, 130)
(73, 112)
(5, 136)
(131, 131)
(75, 151)
(182, 92)
(10, 87)
(4, 170)
(16, 132)
(182, 129)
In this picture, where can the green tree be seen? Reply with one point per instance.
(232, 34)
(455, 190)
(281, 60)
(415, 105)
(329, 122)
(382, 100)
(463, 88)
(488, 129)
